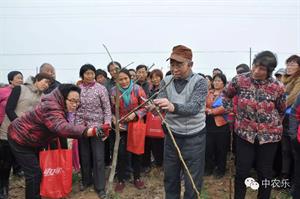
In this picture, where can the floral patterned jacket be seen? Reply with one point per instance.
(260, 107)
(94, 109)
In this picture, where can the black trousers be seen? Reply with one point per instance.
(286, 150)
(296, 147)
(287, 156)
(28, 158)
(123, 162)
(277, 164)
(63, 143)
(146, 157)
(263, 157)
(154, 146)
(107, 154)
(217, 145)
(16, 167)
(157, 148)
(193, 152)
(109, 144)
(6, 159)
(92, 165)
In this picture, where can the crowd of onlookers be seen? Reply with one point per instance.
(231, 108)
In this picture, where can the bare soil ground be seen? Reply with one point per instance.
(213, 189)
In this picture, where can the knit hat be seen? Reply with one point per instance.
(11, 75)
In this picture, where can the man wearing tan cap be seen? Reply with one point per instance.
(184, 102)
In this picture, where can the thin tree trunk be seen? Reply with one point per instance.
(110, 191)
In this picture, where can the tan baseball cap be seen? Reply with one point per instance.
(181, 53)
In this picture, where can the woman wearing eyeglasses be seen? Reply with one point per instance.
(94, 110)
(291, 80)
(37, 128)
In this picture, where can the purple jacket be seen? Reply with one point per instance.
(47, 121)
(94, 109)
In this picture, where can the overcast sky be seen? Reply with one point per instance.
(70, 33)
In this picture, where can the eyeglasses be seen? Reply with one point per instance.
(73, 101)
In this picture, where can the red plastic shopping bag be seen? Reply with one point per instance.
(136, 137)
(153, 126)
(56, 166)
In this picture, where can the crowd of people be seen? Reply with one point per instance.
(255, 116)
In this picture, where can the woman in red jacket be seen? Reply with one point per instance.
(15, 78)
(131, 97)
(156, 141)
(35, 129)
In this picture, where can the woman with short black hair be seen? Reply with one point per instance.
(94, 110)
(258, 124)
(217, 137)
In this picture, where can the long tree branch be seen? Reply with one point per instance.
(128, 64)
(135, 81)
(106, 49)
(117, 140)
(177, 148)
(148, 100)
